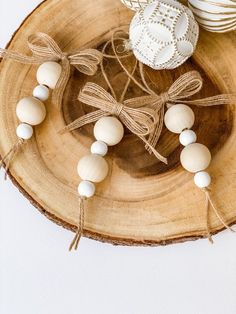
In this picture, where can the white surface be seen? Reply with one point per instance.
(39, 276)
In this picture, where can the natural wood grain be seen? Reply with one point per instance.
(142, 201)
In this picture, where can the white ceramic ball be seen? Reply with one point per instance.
(136, 4)
(215, 16)
(195, 157)
(24, 131)
(164, 34)
(187, 137)
(30, 110)
(92, 168)
(108, 130)
(99, 148)
(179, 117)
(48, 73)
(86, 189)
(202, 179)
(41, 92)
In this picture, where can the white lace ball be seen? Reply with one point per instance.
(99, 148)
(136, 4)
(164, 34)
(24, 131)
(86, 189)
(215, 16)
(187, 137)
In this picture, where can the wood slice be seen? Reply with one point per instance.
(142, 202)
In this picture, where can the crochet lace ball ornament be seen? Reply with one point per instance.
(136, 4)
(164, 34)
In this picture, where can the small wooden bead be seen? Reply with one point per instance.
(24, 131)
(30, 110)
(99, 148)
(86, 189)
(109, 130)
(202, 179)
(195, 157)
(179, 117)
(187, 137)
(92, 168)
(41, 92)
(48, 73)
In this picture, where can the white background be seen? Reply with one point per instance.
(39, 276)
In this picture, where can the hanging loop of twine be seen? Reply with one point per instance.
(140, 121)
(44, 48)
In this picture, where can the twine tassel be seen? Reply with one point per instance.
(75, 242)
(8, 158)
(209, 203)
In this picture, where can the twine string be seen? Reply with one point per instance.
(44, 48)
(7, 159)
(79, 232)
(210, 204)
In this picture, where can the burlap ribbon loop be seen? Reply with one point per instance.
(44, 48)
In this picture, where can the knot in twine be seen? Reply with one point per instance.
(44, 48)
(140, 121)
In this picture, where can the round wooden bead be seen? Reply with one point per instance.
(30, 110)
(41, 92)
(24, 131)
(48, 73)
(202, 179)
(86, 189)
(99, 148)
(187, 137)
(195, 157)
(109, 130)
(92, 168)
(179, 117)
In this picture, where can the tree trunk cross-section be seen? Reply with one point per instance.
(142, 202)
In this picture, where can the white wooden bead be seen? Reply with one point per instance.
(99, 148)
(86, 189)
(30, 110)
(195, 157)
(48, 73)
(109, 130)
(202, 179)
(179, 117)
(41, 92)
(187, 137)
(92, 168)
(24, 131)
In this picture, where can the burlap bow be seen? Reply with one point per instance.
(184, 87)
(140, 121)
(44, 48)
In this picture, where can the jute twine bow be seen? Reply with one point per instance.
(140, 121)
(44, 48)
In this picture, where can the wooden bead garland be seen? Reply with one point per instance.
(195, 157)
(31, 110)
(93, 168)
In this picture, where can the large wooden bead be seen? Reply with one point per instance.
(92, 168)
(179, 117)
(109, 130)
(48, 73)
(30, 110)
(195, 157)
